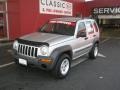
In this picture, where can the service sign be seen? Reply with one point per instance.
(110, 10)
(56, 7)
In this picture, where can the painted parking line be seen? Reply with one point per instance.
(6, 65)
(104, 40)
(101, 55)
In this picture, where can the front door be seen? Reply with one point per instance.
(82, 45)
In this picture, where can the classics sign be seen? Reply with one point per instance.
(56, 7)
(113, 10)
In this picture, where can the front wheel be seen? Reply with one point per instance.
(94, 52)
(62, 67)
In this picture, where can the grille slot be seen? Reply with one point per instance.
(27, 50)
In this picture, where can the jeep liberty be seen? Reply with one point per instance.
(57, 43)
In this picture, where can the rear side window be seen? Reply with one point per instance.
(89, 27)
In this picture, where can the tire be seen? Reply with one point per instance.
(94, 52)
(62, 67)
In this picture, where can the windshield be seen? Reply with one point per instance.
(59, 27)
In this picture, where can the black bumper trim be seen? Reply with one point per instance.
(35, 61)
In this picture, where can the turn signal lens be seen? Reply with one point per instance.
(49, 61)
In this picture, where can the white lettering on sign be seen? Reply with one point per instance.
(115, 10)
(56, 7)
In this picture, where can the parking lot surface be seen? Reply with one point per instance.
(100, 74)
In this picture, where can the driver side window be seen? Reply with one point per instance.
(81, 30)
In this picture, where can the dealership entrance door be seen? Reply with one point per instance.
(3, 20)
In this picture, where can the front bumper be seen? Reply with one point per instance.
(37, 62)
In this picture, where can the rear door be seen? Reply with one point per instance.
(90, 32)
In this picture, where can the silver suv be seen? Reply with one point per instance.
(57, 43)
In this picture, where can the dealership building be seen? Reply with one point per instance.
(21, 17)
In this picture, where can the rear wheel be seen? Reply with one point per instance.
(62, 67)
(94, 52)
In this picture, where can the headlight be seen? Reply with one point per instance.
(15, 45)
(43, 51)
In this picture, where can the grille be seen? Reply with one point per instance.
(27, 50)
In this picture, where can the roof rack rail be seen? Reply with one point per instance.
(90, 17)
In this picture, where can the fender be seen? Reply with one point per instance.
(58, 51)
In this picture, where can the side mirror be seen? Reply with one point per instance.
(81, 34)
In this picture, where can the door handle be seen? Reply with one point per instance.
(86, 38)
(94, 35)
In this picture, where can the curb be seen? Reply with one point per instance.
(5, 44)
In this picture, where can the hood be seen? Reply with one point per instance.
(49, 38)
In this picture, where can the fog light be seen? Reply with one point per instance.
(49, 61)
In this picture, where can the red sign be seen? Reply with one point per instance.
(56, 7)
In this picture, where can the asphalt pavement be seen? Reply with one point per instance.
(5, 56)
(100, 74)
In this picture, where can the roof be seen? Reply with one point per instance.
(67, 19)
